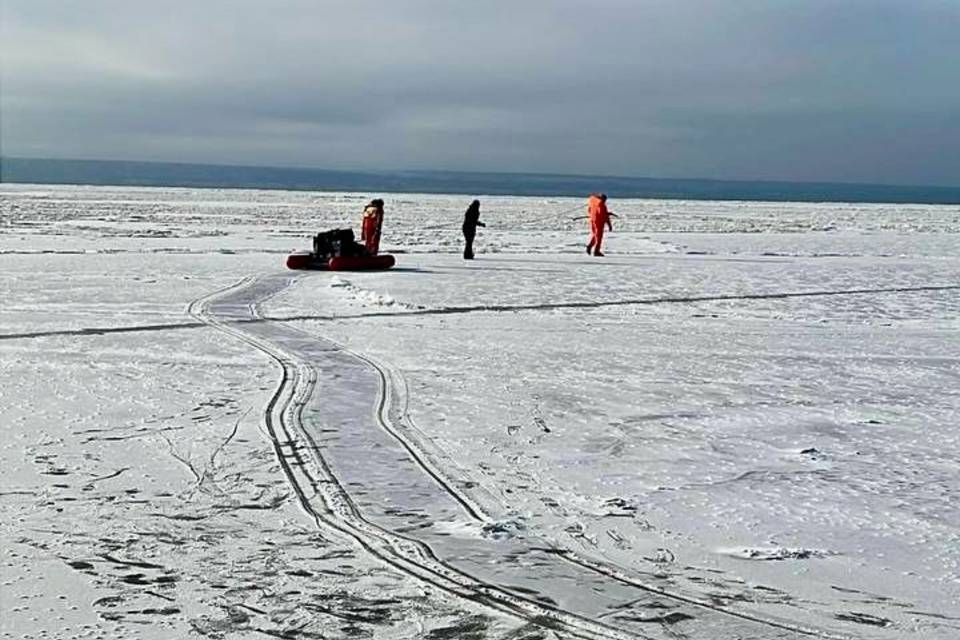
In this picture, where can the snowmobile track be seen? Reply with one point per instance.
(281, 417)
(474, 510)
(336, 510)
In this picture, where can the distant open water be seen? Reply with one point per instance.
(158, 174)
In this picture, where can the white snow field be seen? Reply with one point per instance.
(740, 423)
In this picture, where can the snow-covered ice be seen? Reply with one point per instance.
(746, 410)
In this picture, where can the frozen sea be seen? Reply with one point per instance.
(740, 423)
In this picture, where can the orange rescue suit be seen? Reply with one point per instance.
(598, 217)
(370, 227)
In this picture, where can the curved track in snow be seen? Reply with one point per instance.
(358, 465)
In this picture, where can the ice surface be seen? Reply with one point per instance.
(753, 402)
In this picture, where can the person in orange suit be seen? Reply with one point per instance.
(370, 226)
(597, 217)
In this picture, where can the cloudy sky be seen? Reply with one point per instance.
(831, 90)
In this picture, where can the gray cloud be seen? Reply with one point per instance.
(804, 90)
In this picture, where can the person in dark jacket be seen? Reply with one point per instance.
(471, 220)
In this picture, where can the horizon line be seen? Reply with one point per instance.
(384, 171)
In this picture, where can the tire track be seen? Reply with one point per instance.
(389, 377)
(338, 512)
(312, 477)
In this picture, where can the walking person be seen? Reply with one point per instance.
(598, 217)
(471, 220)
(370, 226)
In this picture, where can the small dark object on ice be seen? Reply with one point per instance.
(864, 618)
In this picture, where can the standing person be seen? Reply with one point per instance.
(371, 224)
(471, 220)
(598, 217)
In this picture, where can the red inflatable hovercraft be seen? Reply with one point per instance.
(337, 250)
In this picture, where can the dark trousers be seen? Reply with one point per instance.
(468, 248)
